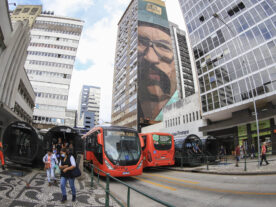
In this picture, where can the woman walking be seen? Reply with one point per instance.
(50, 162)
(66, 165)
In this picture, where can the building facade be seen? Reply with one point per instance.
(16, 93)
(152, 69)
(89, 107)
(49, 65)
(234, 45)
(181, 118)
(184, 73)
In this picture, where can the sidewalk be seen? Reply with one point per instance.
(229, 168)
(14, 191)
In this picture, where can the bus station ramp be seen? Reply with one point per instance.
(29, 188)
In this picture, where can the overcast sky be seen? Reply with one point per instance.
(96, 52)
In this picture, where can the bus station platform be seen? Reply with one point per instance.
(227, 167)
(29, 188)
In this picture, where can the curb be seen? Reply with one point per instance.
(224, 173)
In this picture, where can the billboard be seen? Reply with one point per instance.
(156, 67)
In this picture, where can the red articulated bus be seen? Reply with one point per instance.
(115, 150)
(158, 149)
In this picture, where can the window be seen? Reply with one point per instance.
(2, 45)
(197, 115)
(193, 116)
(190, 115)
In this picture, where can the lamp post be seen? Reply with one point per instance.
(215, 15)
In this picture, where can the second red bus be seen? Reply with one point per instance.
(158, 149)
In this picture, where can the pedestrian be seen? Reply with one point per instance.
(2, 156)
(66, 165)
(50, 161)
(238, 154)
(221, 153)
(264, 154)
(252, 149)
(59, 146)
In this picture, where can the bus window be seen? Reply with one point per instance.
(122, 147)
(145, 141)
(162, 142)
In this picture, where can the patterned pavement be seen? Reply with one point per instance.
(14, 191)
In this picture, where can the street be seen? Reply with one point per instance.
(193, 189)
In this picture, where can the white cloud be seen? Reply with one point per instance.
(97, 45)
(66, 7)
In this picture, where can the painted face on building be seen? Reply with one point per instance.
(157, 76)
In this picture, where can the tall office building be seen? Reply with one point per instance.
(149, 65)
(89, 106)
(234, 44)
(50, 61)
(184, 73)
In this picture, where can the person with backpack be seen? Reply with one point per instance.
(50, 160)
(67, 165)
(264, 154)
(2, 156)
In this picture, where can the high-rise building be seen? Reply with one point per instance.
(234, 45)
(16, 93)
(89, 106)
(50, 61)
(149, 65)
(184, 73)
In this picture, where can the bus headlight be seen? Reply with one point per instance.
(140, 164)
(108, 165)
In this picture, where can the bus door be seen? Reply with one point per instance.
(145, 150)
(97, 149)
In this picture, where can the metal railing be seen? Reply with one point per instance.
(202, 159)
(107, 189)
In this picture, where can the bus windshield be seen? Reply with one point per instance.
(122, 147)
(162, 142)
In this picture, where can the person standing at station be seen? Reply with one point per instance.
(59, 146)
(66, 165)
(264, 154)
(252, 151)
(2, 156)
(238, 154)
(50, 160)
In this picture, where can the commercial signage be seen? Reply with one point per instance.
(242, 131)
(262, 125)
(156, 68)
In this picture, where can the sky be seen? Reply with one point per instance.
(96, 52)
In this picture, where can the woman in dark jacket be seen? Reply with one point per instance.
(66, 165)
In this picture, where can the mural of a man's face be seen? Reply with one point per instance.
(156, 62)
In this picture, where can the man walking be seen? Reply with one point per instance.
(2, 156)
(264, 154)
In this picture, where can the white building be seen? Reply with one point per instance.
(16, 93)
(49, 65)
(181, 118)
(89, 107)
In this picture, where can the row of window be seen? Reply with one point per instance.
(48, 120)
(48, 54)
(49, 107)
(50, 74)
(51, 96)
(23, 92)
(53, 46)
(253, 61)
(51, 64)
(187, 118)
(261, 82)
(237, 25)
(54, 38)
(58, 23)
(56, 31)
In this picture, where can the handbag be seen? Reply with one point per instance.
(76, 172)
(47, 166)
(57, 170)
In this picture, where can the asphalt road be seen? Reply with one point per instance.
(193, 189)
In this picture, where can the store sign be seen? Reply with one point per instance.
(242, 131)
(262, 134)
(262, 125)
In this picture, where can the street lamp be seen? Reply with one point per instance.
(215, 15)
